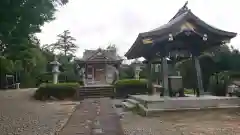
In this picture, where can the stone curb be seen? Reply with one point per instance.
(64, 122)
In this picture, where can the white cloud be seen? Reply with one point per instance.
(96, 23)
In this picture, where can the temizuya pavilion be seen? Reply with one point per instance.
(184, 32)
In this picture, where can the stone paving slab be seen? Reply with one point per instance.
(94, 117)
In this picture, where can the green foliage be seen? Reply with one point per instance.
(126, 72)
(218, 83)
(60, 91)
(189, 91)
(21, 18)
(20, 50)
(129, 86)
(187, 72)
(209, 66)
(6, 65)
(66, 43)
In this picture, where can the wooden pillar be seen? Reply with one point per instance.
(165, 75)
(195, 53)
(149, 69)
(199, 76)
(85, 74)
(164, 69)
(93, 74)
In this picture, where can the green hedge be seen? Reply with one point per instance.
(129, 86)
(63, 77)
(60, 91)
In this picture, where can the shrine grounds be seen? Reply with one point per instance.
(22, 115)
(212, 122)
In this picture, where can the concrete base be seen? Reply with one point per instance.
(148, 104)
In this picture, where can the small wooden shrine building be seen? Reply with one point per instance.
(185, 32)
(99, 66)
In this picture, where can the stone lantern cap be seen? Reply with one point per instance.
(55, 62)
(137, 68)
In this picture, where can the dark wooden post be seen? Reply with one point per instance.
(149, 69)
(164, 68)
(195, 56)
(165, 75)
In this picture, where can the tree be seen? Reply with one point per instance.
(19, 48)
(21, 18)
(214, 60)
(66, 43)
(49, 47)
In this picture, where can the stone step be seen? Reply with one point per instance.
(96, 96)
(128, 105)
(89, 92)
(132, 101)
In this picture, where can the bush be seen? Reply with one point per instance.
(237, 93)
(188, 71)
(189, 91)
(60, 91)
(81, 83)
(129, 86)
(233, 74)
(218, 83)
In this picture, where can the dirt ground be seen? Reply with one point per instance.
(211, 122)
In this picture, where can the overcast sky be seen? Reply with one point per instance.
(96, 23)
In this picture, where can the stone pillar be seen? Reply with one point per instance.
(165, 75)
(55, 78)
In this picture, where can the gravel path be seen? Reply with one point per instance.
(217, 122)
(21, 115)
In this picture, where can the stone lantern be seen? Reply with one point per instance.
(55, 70)
(137, 72)
(137, 69)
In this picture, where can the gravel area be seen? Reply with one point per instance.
(21, 115)
(211, 122)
